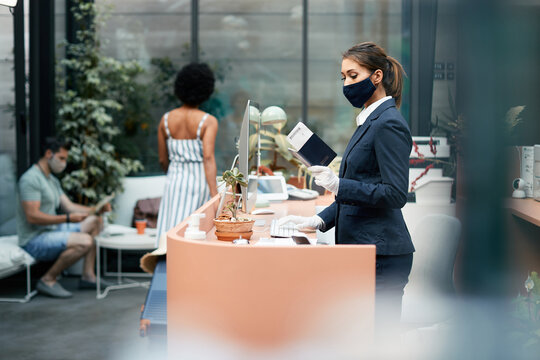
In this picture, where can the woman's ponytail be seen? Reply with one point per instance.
(393, 79)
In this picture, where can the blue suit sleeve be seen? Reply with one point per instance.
(329, 217)
(392, 144)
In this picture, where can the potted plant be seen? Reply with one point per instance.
(231, 226)
(88, 101)
(525, 330)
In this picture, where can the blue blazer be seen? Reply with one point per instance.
(373, 181)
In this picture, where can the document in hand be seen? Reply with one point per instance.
(311, 149)
(102, 203)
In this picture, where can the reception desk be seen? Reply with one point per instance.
(263, 298)
(523, 233)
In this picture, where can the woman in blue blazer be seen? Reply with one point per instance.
(372, 184)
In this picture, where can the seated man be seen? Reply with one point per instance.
(48, 236)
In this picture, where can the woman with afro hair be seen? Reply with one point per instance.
(186, 141)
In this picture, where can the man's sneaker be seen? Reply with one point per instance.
(85, 284)
(55, 291)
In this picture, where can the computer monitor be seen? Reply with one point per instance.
(247, 153)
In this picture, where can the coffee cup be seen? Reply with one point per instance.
(140, 224)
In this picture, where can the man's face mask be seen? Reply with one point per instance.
(56, 165)
(360, 92)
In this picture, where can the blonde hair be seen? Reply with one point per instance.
(373, 57)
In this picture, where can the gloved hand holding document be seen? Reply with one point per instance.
(309, 148)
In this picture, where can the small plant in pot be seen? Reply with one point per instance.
(230, 227)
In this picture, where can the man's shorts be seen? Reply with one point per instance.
(48, 245)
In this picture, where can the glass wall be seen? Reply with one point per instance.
(444, 79)
(255, 49)
(157, 35)
(7, 88)
(335, 26)
(8, 145)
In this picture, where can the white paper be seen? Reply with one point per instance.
(275, 242)
(299, 135)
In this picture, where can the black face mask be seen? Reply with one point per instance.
(360, 92)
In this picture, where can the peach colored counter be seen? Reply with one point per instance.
(266, 297)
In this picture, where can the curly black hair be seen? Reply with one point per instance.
(194, 84)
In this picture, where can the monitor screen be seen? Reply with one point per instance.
(272, 188)
(269, 186)
(247, 149)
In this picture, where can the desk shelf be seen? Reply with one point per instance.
(526, 209)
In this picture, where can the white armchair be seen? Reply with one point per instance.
(12, 260)
(136, 188)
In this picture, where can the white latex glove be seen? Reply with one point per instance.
(302, 222)
(325, 177)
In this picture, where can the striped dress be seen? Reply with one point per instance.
(186, 188)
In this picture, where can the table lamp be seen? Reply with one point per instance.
(10, 3)
(254, 115)
(274, 115)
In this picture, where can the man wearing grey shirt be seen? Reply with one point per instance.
(49, 236)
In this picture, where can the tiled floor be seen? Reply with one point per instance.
(81, 327)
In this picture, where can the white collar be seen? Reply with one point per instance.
(364, 114)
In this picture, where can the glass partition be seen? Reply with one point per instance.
(156, 34)
(335, 26)
(8, 146)
(255, 49)
(7, 94)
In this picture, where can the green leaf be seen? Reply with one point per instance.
(283, 146)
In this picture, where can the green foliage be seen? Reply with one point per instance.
(138, 127)
(91, 89)
(512, 119)
(453, 126)
(162, 84)
(276, 143)
(526, 313)
(233, 178)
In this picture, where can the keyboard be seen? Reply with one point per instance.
(284, 231)
(301, 194)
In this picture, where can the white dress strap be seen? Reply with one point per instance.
(165, 118)
(200, 126)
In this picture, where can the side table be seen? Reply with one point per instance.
(119, 242)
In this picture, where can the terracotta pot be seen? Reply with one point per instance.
(227, 226)
(297, 181)
(233, 236)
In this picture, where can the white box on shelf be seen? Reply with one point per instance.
(415, 172)
(536, 173)
(434, 191)
(526, 170)
(440, 143)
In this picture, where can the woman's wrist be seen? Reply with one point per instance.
(67, 218)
